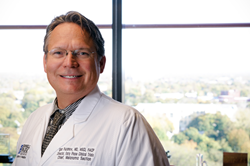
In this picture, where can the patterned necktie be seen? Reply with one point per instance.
(53, 130)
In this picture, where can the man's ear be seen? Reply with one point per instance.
(45, 62)
(102, 63)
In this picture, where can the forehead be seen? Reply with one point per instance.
(69, 35)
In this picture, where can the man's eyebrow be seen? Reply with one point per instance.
(57, 48)
(83, 48)
(87, 49)
(80, 48)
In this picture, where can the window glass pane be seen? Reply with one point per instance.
(183, 11)
(30, 12)
(23, 83)
(193, 86)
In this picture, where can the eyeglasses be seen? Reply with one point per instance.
(59, 53)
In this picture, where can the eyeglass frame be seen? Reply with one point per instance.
(66, 52)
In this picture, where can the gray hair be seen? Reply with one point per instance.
(84, 23)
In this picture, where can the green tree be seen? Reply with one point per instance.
(207, 144)
(9, 111)
(179, 138)
(148, 97)
(215, 155)
(35, 98)
(193, 134)
(225, 146)
(160, 125)
(190, 144)
(245, 148)
(133, 93)
(204, 143)
(214, 126)
(13, 138)
(9, 95)
(9, 103)
(237, 138)
(242, 120)
(5, 121)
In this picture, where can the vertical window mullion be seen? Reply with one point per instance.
(117, 51)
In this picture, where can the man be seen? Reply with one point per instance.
(83, 126)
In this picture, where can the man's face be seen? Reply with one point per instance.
(72, 75)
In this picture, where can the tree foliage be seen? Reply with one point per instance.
(236, 138)
(160, 125)
(179, 138)
(242, 120)
(225, 146)
(214, 126)
(10, 112)
(35, 98)
(6, 118)
(204, 143)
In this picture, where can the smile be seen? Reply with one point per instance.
(71, 76)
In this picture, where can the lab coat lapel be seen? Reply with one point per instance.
(87, 105)
(67, 132)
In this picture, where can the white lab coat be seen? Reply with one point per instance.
(101, 132)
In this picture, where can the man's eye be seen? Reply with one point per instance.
(82, 54)
(58, 53)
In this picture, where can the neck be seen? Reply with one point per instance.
(64, 101)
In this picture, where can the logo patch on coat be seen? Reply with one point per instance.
(23, 151)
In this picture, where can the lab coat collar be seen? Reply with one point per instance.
(66, 133)
(87, 105)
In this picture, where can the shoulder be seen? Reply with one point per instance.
(111, 102)
(136, 140)
(126, 118)
(116, 108)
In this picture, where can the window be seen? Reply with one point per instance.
(179, 57)
(185, 68)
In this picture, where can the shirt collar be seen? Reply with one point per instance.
(69, 109)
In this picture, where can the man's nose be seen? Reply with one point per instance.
(70, 61)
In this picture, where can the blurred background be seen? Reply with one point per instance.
(191, 83)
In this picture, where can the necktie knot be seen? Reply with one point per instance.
(58, 118)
